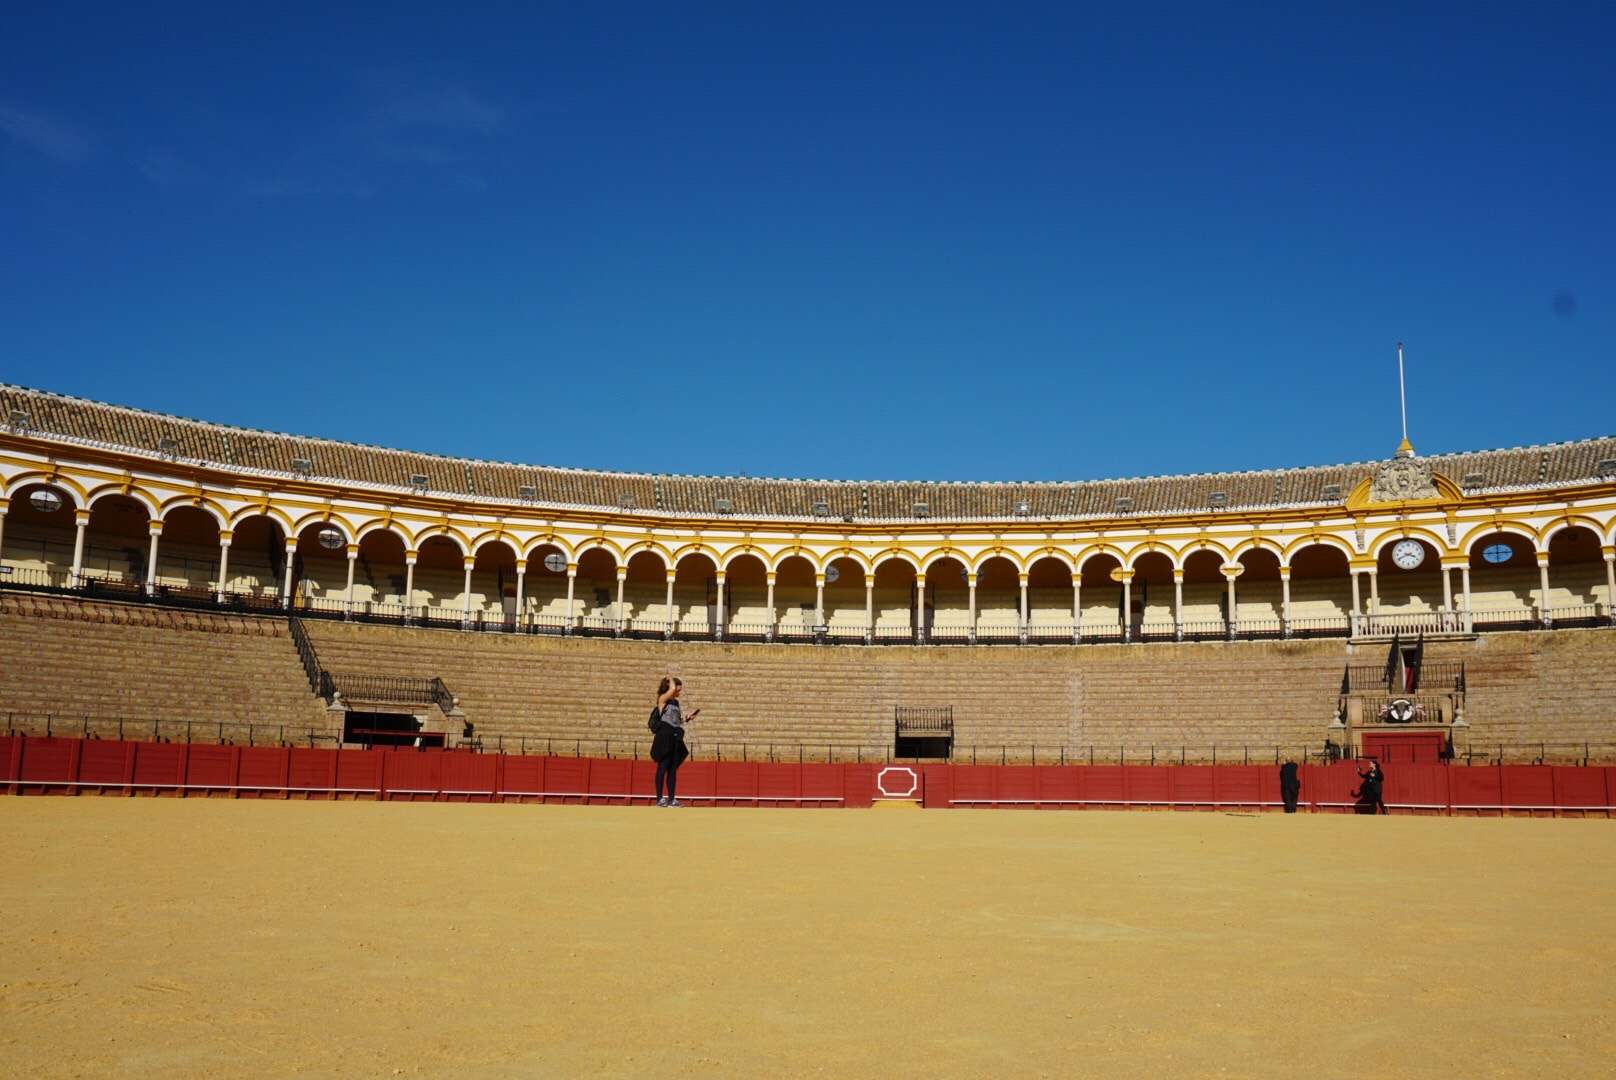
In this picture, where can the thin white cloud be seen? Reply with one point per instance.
(43, 134)
(450, 108)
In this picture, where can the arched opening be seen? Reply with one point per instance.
(38, 543)
(1576, 578)
(440, 576)
(844, 600)
(794, 599)
(948, 601)
(1049, 600)
(493, 586)
(117, 540)
(1321, 591)
(746, 598)
(1101, 597)
(188, 552)
(596, 591)
(320, 569)
(1409, 585)
(380, 576)
(1206, 596)
(998, 600)
(257, 557)
(645, 595)
(695, 596)
(1503, 581)
(894, 602)
(1258, 600)
(544, 589)
(1153, 596)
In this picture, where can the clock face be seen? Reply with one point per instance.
(1408, 554)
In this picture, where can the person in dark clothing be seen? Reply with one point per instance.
(668, 748)
(1371, 789)
(1290, 785)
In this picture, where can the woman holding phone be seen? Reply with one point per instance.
(668, 747)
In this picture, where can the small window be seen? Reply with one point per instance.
(1497, 553)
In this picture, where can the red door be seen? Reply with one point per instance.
(1404, 747)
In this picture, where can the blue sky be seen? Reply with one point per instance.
(992, 242)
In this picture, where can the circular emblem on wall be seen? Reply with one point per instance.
(831, 574)
(45, 501)
(1408, 554)
(1399, 711)
(330, 537)
(555, 562)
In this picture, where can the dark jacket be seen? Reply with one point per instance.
(667, 740)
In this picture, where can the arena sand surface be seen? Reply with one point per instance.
(212, 938)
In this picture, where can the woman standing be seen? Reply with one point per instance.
(668, 747)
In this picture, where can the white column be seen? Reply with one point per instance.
(465, 596)
(869, 607)
(1025, 612)
(670, 616)
(1234, 610)
(1285, 600)
(1610, 584)
(409, 583)
(719, 627)
(769, 603)
(156, 528)
(224, 564)
(521, 593)
(819, 599)
(1077, 607)
(1543, 584)
(919, 623)
(4, 505)
(1464, 585)
(353, 561)
(286, 578)
(970, 589)
(1374, 592)
(81, 520)
(1447, 599)
(1356, 601)
(1127, 604)
(572, 580)
(1178, 605)
(622, 576)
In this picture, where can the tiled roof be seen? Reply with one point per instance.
(143, 432)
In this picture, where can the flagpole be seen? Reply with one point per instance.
(1402, 394)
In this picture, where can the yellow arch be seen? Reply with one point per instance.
(1322, 539)
(1409, 532)
(218, 513)
(274, 513)
(1203, 543)
(849, 553)
(698, 549)
(901, 554)
(1567, 521)
(936, 555)
(497, 536)
(1086, 553)
(138, 494)
(799, 551)
(547, 540)
(996, 553)
(1508, 525)
(322, 517)
(382, 525)
(1145, 549)
(740, 551)
(75, 490)
(591, 543)
(1058, 554)
(652, 546)
(1253, 543)
(448, 532)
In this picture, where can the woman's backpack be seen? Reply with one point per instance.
(656, 716)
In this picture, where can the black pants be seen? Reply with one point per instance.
(668, 768)
(1289, 795)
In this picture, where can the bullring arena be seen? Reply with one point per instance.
(390, 711)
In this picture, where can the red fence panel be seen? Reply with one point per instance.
(263, 767)
(312, 772)
(1476, 789)
(210, 767)
(108, 763)
(609, 781)
(159, 767)
(698, 780)
(1193, 787)
(566, 780)
(779, 784)
(1529, 788)
(359, 771)
(1241, 785)
(47, 764)
(858, 784)
(1147, 784)
(823, 785)
(410, 776)
(1329, 788)
(524, 776)
(1018, 785)
(1058, 786)
(1417, 789)
(1103, 783)
(936, 786)
(643, 778)
(736, 783)
(974, 783)
(1581, 786)
(469, 777)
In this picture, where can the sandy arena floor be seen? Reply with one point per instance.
(205, 938)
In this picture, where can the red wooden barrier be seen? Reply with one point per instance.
(1528, 789)
(1476, 791)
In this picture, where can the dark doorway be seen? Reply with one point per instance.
(370, 729)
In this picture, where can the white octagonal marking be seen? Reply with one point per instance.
(900, 774)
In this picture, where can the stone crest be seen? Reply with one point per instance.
(1402, 479)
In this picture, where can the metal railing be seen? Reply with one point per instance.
(1430, 675)
(923, 719)
(319, 679)
(392, 689)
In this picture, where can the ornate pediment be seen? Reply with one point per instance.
(1403, 479)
